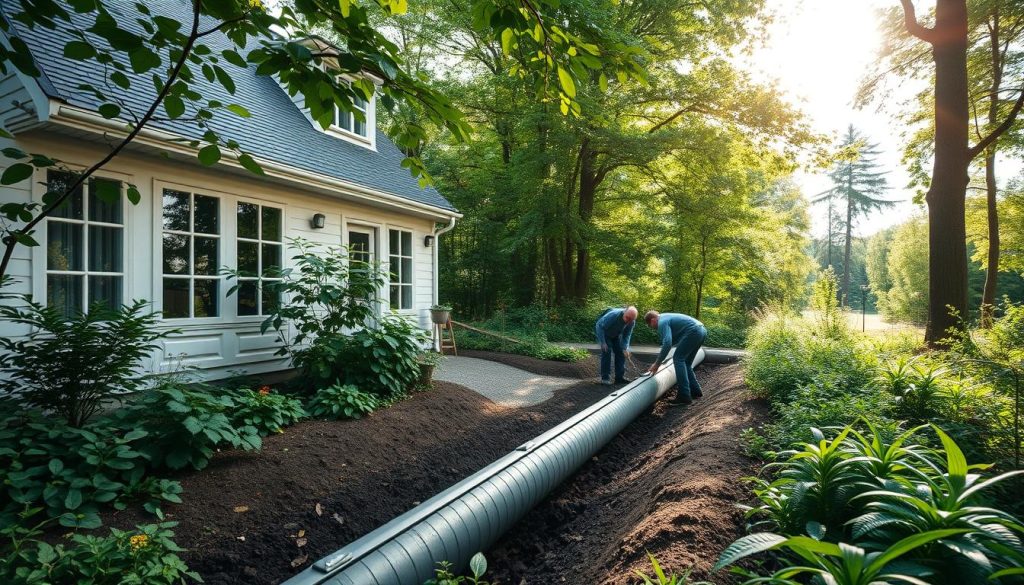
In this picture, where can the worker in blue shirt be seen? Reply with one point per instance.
(686, 334)
(613, 329)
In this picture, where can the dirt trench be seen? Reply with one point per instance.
(668, 484)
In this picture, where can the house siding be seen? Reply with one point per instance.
(218, 346)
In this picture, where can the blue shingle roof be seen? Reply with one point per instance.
(278, 130)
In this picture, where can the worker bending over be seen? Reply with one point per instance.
(687, 335)
(613, 329)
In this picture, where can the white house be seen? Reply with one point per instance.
(193, 220)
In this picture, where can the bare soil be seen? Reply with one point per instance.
(667, 484)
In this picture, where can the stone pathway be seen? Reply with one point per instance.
(503, 384)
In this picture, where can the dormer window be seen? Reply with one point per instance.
(348, 121)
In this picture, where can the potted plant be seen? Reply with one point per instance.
(427, 361)
(440, 314)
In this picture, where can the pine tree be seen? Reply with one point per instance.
(858, 186)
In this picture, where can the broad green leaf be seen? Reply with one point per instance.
(250, 164)
(910, 543)
(174, 106)
(239, 110)
(345, 6)
(16, 173)
(110, 111)
(565, 80)
(478, 565)
(143, 59)
(79, 50)
(955, 460)
(209, 155)
(506, 40)
(73, 499)
(133, 194)
(748, 545)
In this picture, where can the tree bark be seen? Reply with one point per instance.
(590, 177)
(988, 297)
(844, 292)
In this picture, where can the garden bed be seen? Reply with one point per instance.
(323, 484)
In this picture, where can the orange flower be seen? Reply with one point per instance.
(139, 541)
(264, 390)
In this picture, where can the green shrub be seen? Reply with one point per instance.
(861, 508)
(341, 401)
(144, 556)
(72, 472)
(383, 358)
(185, 425)
(71, 365)
(326, 294)
(536, 346)
(265, 410)
(443, 575)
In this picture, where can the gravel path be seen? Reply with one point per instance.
(502, 384)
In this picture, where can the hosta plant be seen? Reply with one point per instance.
(341, 401)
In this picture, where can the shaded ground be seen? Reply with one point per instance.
(669, 484)
(245, 516)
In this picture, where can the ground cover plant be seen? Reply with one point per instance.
(859, 507)
(536, 346)
(342, 401)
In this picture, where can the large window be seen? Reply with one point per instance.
(84, 246)
(400, 263)
(259, 257)
(191, 254)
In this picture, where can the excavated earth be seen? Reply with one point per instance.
(668, 484)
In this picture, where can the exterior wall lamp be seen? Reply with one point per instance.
(319, 221)
(428, 241)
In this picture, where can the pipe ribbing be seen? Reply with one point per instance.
(471, 515)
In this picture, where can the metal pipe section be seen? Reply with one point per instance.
(471, 515)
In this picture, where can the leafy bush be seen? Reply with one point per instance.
(265, 410)
(341, 401)
(144, 556)
(185, 425)
(860, 508)
(71, 472)
(70, 366)
(382, 358)
(326, 294)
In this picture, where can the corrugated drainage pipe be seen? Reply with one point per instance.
(471, 515)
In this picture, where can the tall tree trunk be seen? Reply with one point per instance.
(947, 234)
(988, 297)
(590, 177)
(844, 292)
(829, 232)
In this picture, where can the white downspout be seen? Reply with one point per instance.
(437, 242)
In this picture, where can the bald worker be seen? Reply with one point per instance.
(613, 329)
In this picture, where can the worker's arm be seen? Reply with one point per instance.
(665, 332)
(599, 332)
(627, 334)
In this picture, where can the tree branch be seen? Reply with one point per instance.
(11, 241)
(914, 27)
(995, 134)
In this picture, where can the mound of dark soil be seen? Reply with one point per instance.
(669, 484)
(257, 518)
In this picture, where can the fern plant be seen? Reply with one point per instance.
(341, 401)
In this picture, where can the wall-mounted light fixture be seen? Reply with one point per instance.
(428, 241)
(319, 221)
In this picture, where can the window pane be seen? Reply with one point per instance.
(248, 220)
(359, 127)
(393, 241)
(206, 298)
(406, 297)
(58, 182)
(175, 297)
(247, 295)
(207, 258)
(248, 258)
(100, 210)
(406, 243)
(176, 211)
(271, 258)
(393, 266)
(106, 290)
(64, 293)
(177, 254)
(344, 119)
(359, 246)
(272, 224)
(271, 298)
(105, 249)
(63, 246)
(406, 272)
(207, 214)
(394, 297)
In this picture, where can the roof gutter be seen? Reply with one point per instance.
(84, 119)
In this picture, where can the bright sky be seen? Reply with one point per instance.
(819, 50)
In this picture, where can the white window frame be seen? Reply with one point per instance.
(411, 284)
(191, 234)
(375, 229)
(370, 111)
(229, 316)
(39, 255)
(259, 241)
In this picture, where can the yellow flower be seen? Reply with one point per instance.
(139, 541)
(256, 4)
